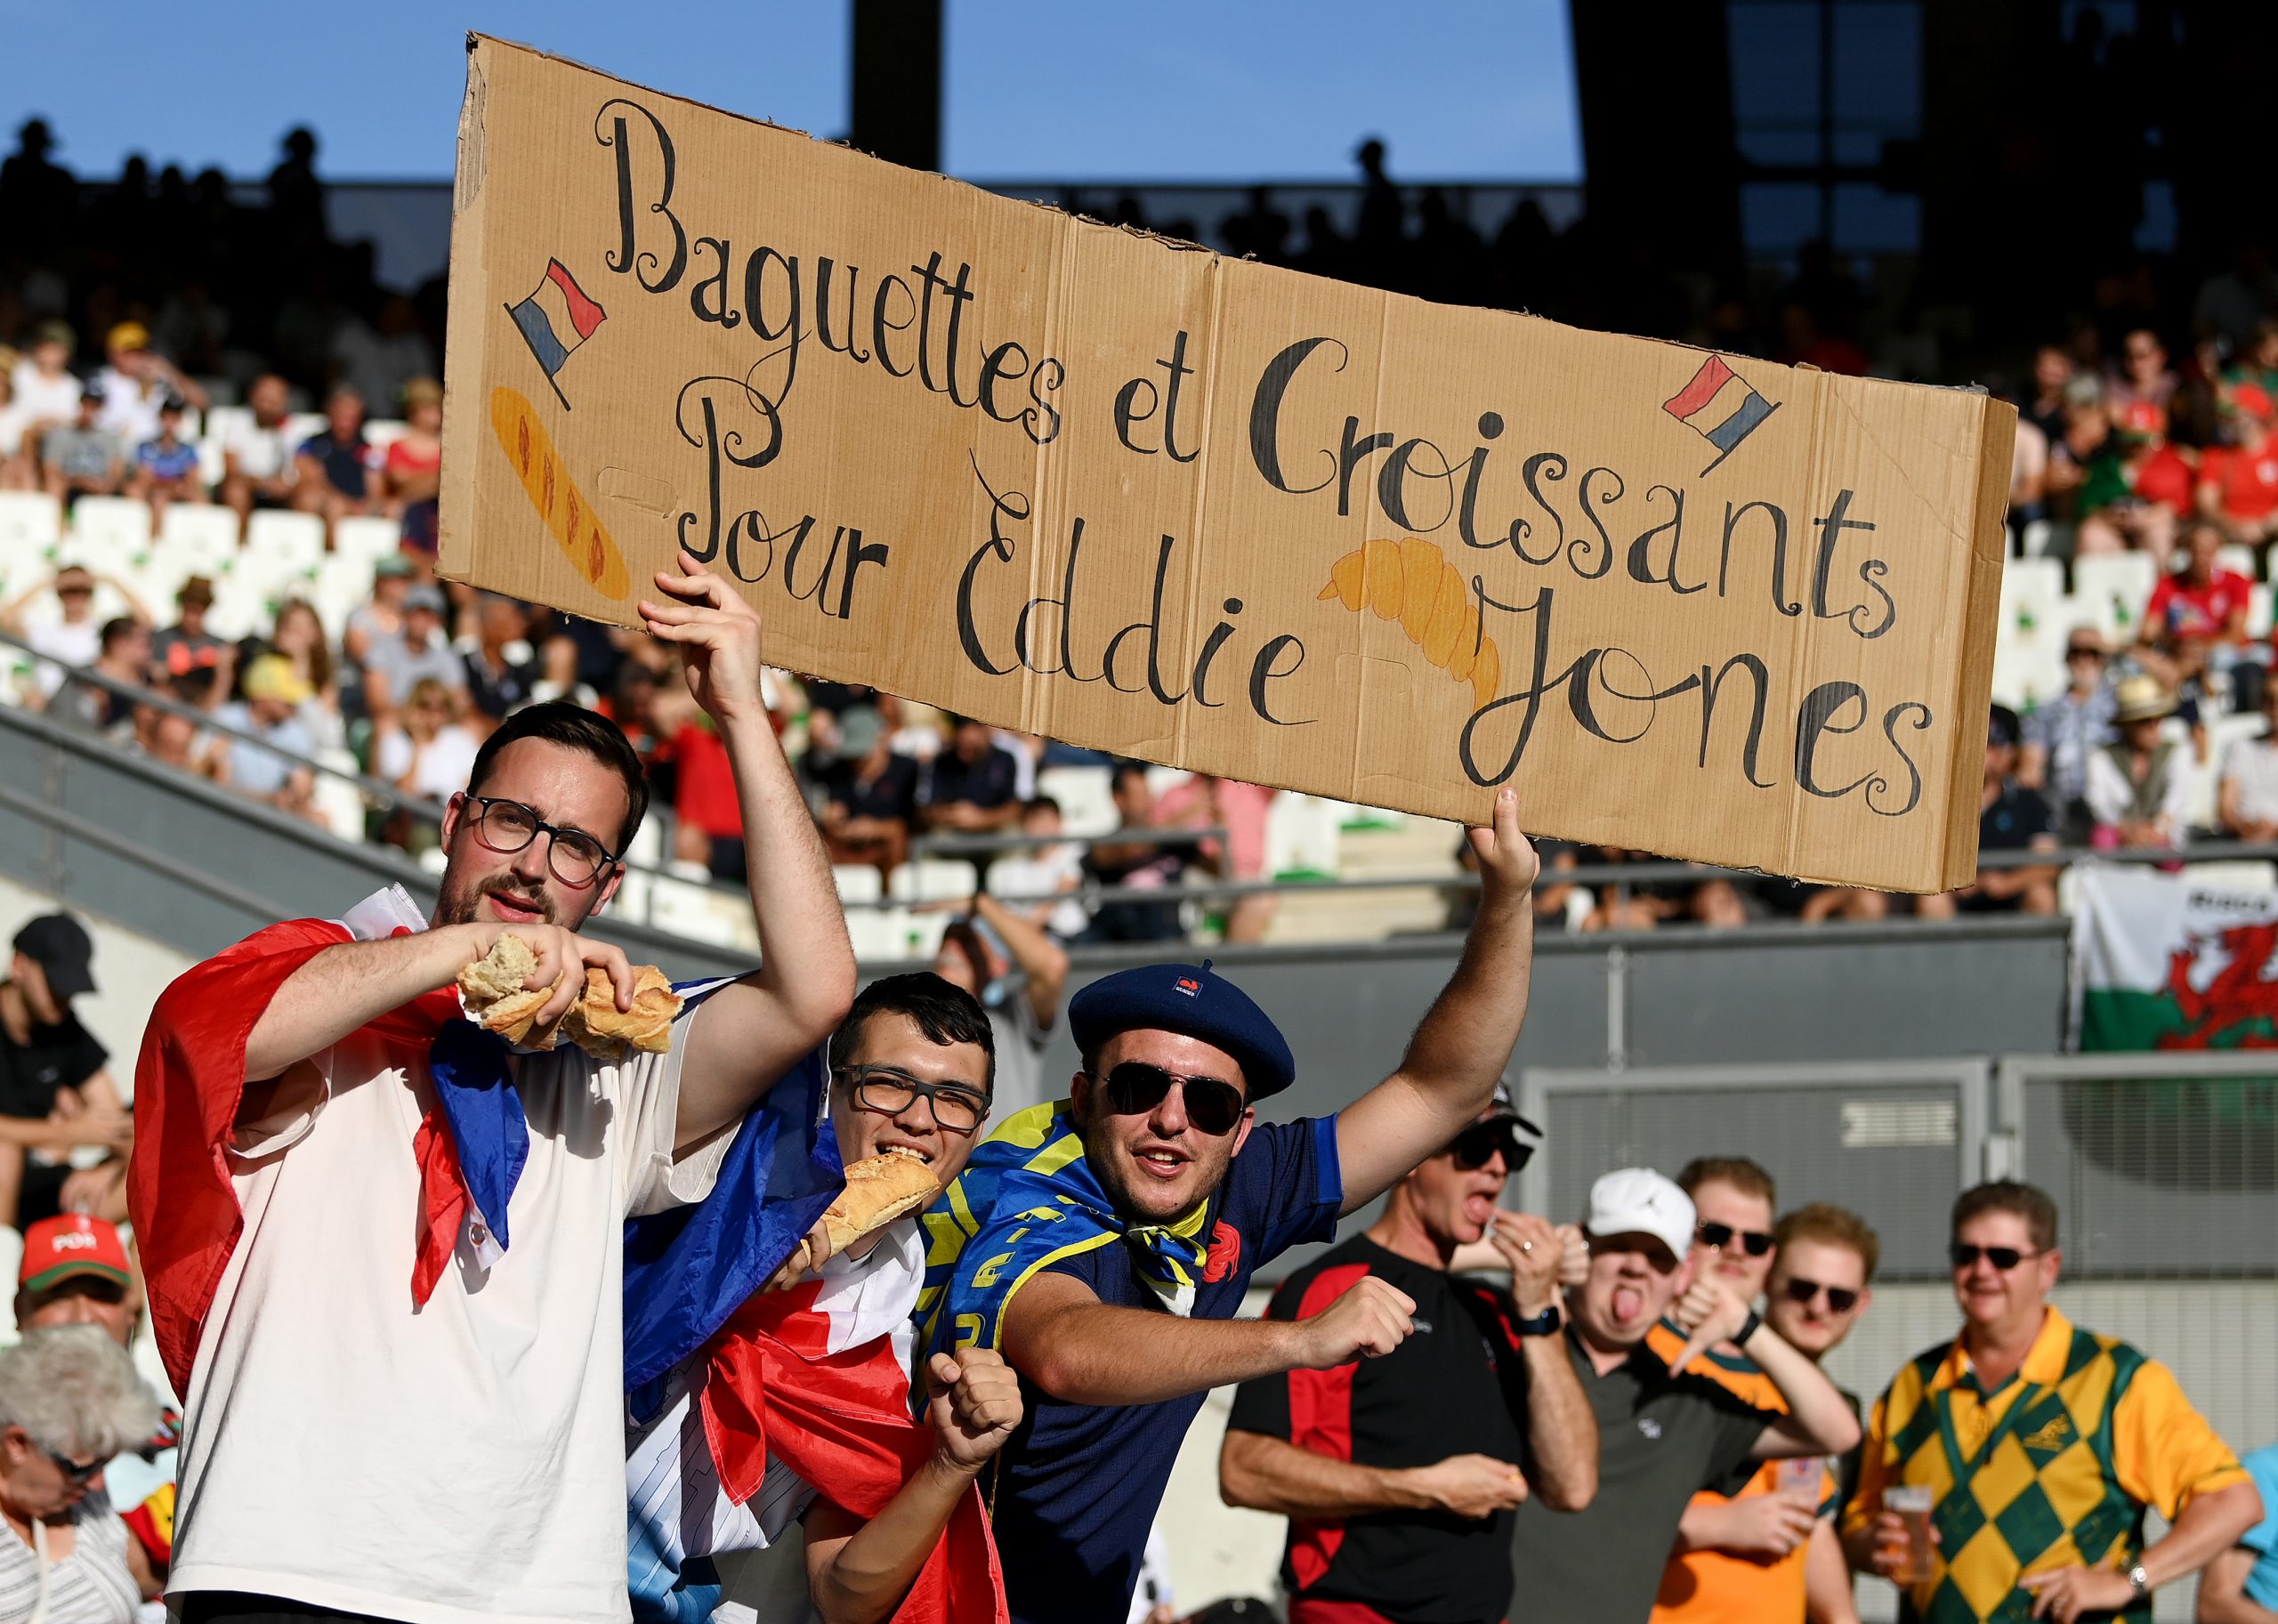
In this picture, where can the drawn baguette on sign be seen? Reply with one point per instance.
(1411, 581)
(556, 497)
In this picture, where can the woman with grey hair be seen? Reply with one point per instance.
(69, 1399)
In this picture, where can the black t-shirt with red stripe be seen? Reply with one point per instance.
(1456, 1387)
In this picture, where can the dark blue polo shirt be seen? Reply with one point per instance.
(1078, 1486)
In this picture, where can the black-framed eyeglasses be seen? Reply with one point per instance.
(506, 827)
(1135, 1087)
(2002, 1258)
(73, 1471)
(1483, 1142)
(1801, 1292)
(890, 1091)
(1716, 1237)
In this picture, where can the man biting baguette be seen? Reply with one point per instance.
(757, 1443)
(362, 1218)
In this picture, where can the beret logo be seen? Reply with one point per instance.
(1188, 985)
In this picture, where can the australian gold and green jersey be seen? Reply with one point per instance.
(2051, 1469)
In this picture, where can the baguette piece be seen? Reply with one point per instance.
(879, 1189)
(494, 994)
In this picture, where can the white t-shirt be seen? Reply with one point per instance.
(45, 399)
(1039, 872)
(443, 1465)
(2252, 765)
(262, 453)
(75, 642)
(445, 764)
(130, 406)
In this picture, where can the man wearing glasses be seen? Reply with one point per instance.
(912, 1068)
(1400, 1474)
(1104, 1241)
(360, 1218)
(2040, 1446)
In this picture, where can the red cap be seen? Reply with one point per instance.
(72, 1243)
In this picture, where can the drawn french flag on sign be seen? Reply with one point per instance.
(555, 319)
(1720, 405)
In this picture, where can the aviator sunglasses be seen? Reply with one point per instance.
(1133, 1089)
(1716, 1237)
(1800, 1292)
(2002, 1258)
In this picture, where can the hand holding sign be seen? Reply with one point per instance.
(1508, 863)
(718, 634)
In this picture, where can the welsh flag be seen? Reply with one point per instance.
(2163, 962)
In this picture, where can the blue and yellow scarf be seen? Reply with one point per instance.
(1026, 1200)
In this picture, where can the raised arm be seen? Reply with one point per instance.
(1562, 1429)
(1061, 1337)
(1819, 1419)
(1458, 1053)
(1042, 960)
(748, 1034)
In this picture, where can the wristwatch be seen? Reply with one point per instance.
(2139, 1581)
(1543, 1324)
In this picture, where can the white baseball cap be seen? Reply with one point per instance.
(1639, 1201)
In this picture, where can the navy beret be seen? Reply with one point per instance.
(1189, 1000)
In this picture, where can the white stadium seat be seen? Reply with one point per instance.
(857, 883)
(366, 536)
(2238, 560)
(1086, 797)
(293, 539)
(932, 879)
(2112, 589)
(206, 538)
(113, 529)
(31, 523)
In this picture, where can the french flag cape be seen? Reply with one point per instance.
(686, 1270)
(804, 1393)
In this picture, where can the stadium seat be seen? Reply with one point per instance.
(244, 605)
(223, 421)
(2034, 540)
(2112, 589)
(686, 907)
(932, 879)
(381, 432)
(878, 934)
(1085, 795)
(205, 538)
(299, 426)
(31, 524)
(857, 883)
(2239, 875)
(2237, 559)
(1303, 834)
(337, 799)
(2258, 612)
(368, 536)
(116, 529)
(342, 584)
(290, 539)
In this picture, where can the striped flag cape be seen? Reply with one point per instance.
(685, 1269)
(805, 1392)
(1026, 1200)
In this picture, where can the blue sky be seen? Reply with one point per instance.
(1035, 89)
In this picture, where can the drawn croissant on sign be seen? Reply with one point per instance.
(1410, 581)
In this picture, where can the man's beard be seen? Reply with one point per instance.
(455, 905)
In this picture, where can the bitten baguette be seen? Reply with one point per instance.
(495, 997)
(546, 481)
(879, 1189)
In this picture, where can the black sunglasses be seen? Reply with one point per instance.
(1133, 1089)
(1716, 1237)
(1483, 1142)
(889, 1090)
(508, 826)
(73, 1471)
(1800, 1291)
(2002, 1258)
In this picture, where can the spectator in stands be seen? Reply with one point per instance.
(137, 383)
(870, 796)
(2140, 388)
(2241, 1585)
(2032, 1390)
(2139, 789)
(90, 706)
(299, 637)
(1664, 1431)
(381, 360)
(2064, 732)
(2012, 817)
(2134, 489)
(974, 786)
(334, 478)
(19, 467)
(1739, 1550)
(2238, 480)
(47, 390)
(2246, 804)
(56, 1092)
(1018, 973)
(380, 617)
(692, 760)
(165, 467)
(2193, 631)
(271, 710)
(2044, 406)
(82, 458)
(173, 741)
(1202, 800)
(75, 638)
(502, 673)
(188, 657)
(393, 665)
(258, 458)
(431, 753)
(1050, 873)
(69, 1401)
(1136, 865)
(412, 471)
(1401, 1475)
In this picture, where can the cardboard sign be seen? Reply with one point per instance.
(1123, 492)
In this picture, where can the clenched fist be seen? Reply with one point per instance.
(1475, 1486)
(976, 1405)
(1367, 1322)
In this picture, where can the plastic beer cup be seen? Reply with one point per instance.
(1913, 1502)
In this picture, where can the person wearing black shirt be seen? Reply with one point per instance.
(2011, 817)
(1400, 1474)
(974, 786)
(1137, 865)
(56, 1094)
(872, 795)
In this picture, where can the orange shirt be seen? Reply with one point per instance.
(1719, 1586)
